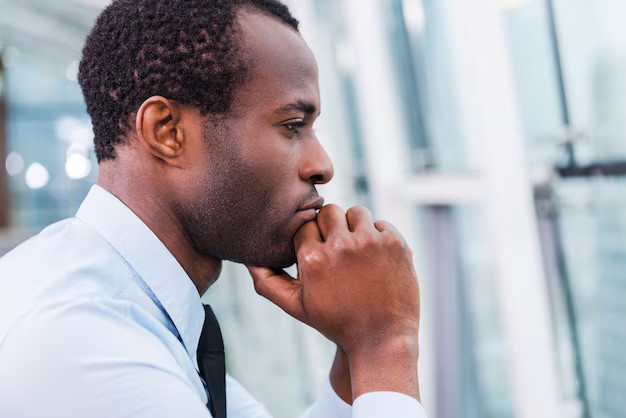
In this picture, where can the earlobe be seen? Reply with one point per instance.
(158, 130)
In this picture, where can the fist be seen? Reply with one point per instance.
(356, 281)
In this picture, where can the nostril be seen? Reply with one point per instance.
(317, 178)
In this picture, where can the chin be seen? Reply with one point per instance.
(279, 263)
(276, 259)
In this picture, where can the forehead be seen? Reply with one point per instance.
(283, 70)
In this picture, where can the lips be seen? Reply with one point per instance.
(306, 213)
(315, 204)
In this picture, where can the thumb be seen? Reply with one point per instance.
(279, 288)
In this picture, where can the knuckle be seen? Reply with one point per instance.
(331, 207)
(341, 244)
(357, 209)
(383, 225)
(311, 258)
(369, 241)
(394, 242)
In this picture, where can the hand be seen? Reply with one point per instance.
(357, 286)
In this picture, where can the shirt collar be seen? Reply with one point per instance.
(150, 259)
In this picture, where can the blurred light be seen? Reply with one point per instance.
(79, 149)
(74, 131)
(77, 166)
(71, 72)
(414, 17)
(14, 164)
(37, 176)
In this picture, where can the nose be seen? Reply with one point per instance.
(316, 167)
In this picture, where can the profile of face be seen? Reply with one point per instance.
(258, 166)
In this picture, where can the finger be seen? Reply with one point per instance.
(388, 228)
(279, 288)
(360, 218)
(308, 233)
(384, 226)
(332, 219)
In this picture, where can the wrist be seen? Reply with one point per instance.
(379, 347)
(386, 365)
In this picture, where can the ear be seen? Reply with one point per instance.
(158, 129)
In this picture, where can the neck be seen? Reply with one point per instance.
(147, 201)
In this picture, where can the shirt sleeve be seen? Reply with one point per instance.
(369, 405)
(387, 404)
(328, 405)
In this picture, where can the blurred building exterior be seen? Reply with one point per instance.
(492, 132)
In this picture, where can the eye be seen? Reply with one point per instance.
(295, 127)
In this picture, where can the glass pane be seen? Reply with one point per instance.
(472, 358)
(536, 79)
(582, 221)
(481, 319)
(593, 225)
(424, 62)
(593, 58)
(592, 35)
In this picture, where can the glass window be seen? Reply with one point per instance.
(591, 37)
(536, 79)
(424, 62)
(594, 209)
(582, 229)
(472, 363)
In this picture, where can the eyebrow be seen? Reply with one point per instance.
(301, 106)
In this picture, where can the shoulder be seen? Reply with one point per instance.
(88, 356)
(66, 261)
(66, 247)
(68, 329)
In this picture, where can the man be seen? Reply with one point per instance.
(202, 113)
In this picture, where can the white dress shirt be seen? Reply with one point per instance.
(99, 320)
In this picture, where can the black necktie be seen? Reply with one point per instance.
(211, 363)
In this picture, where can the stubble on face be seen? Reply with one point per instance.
(247, 187)
(232, 214)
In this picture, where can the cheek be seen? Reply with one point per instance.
(274, 181)
(273, 159)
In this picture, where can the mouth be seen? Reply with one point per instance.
(313, 205)
(306, 213)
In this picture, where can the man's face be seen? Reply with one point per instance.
(259, 166)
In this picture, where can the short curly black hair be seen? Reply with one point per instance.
(184, 50)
